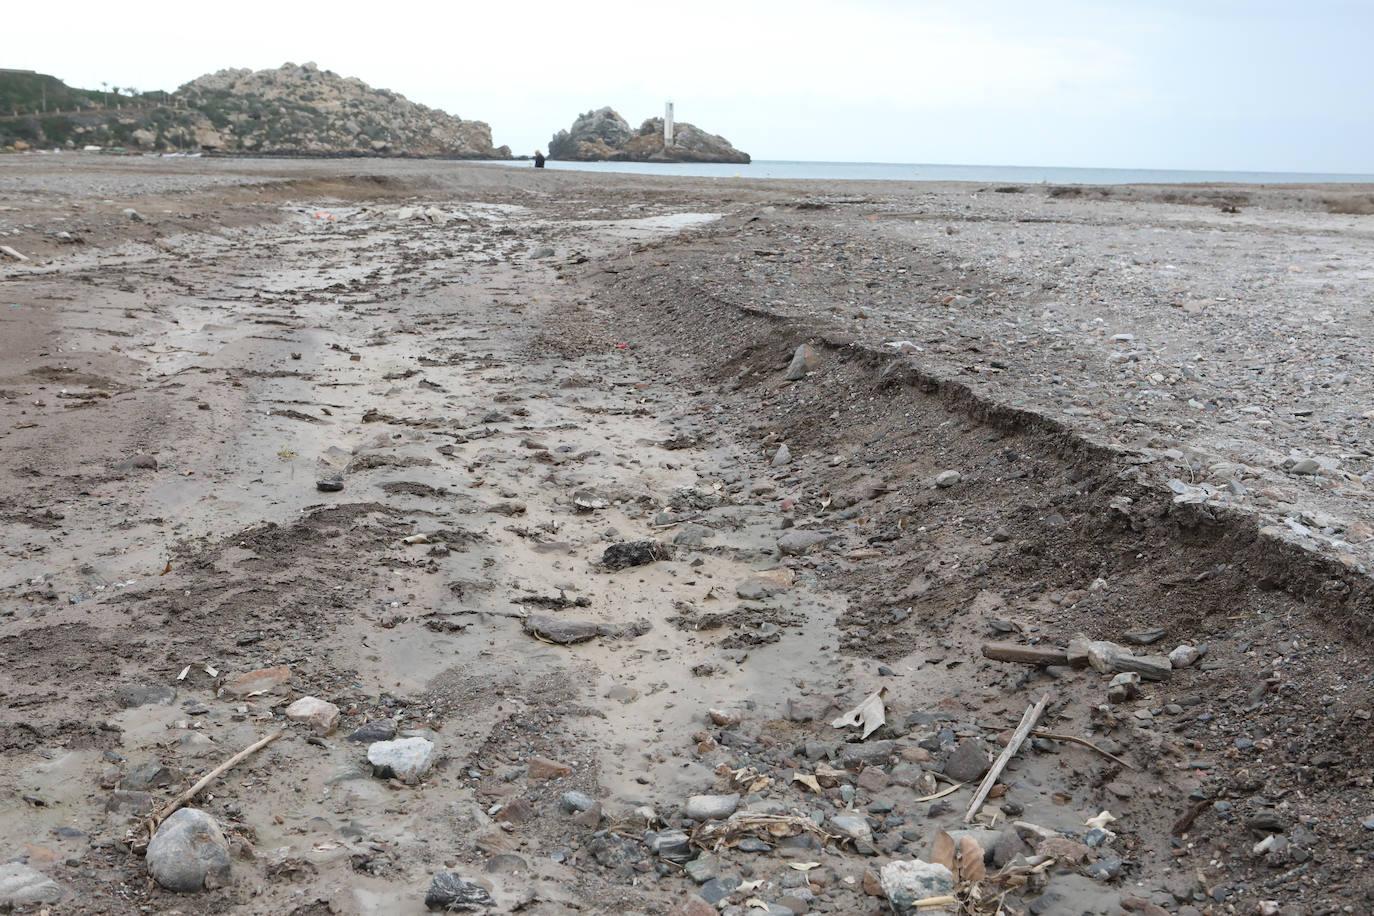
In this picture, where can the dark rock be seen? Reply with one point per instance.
(331, 484)
(968, 761)
(451, 894)
(380, 730)
(147, 775)
(634, 553)
(611, 851)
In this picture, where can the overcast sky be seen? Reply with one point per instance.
(1207, 84)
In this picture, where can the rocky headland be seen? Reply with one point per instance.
(603, 135)
(292, 110)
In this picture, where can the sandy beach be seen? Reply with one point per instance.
(613, 493)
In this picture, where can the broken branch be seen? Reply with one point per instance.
(168, 809)
(1023, 731)
(1083, 742)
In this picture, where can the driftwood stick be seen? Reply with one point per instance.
(1023, 730)
(168, 809)
(1083, 742)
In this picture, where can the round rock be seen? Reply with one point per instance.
(189, 852)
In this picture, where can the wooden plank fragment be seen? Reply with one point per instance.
(1025, 655)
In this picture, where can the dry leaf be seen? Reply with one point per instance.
(803, 866)
(870, 714)
(971, 867)
(808, 781)
(942, 851)
(755, 904)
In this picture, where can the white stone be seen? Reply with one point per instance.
(1184, 656)
(948, 478)
(405, 758)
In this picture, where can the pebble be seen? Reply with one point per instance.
(711, 807)
(947, 479)
(189, 852)
(782, 457)
(406, 759)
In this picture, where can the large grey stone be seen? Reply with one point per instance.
(189, 852)
(21, 886)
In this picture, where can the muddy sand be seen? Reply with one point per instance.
(608, 496)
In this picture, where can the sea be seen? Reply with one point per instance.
(918, 171)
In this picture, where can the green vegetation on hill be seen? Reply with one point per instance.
(290, 110)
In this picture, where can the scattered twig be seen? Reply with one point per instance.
(167, 810)
(1082, 742)
(942, 793)
(1023, 731)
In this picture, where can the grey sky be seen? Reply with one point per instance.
(1220, 84)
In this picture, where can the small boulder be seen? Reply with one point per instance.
(711, 807)
(805, 359)
(947, 479)
(798, 543)
(320, 715)
(189, 852)
(1184, 656)
(406, 759)
(449, 893)
(968, 761)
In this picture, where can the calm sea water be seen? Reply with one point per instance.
(897, 171)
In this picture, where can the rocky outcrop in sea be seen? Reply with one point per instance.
(603, 135)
